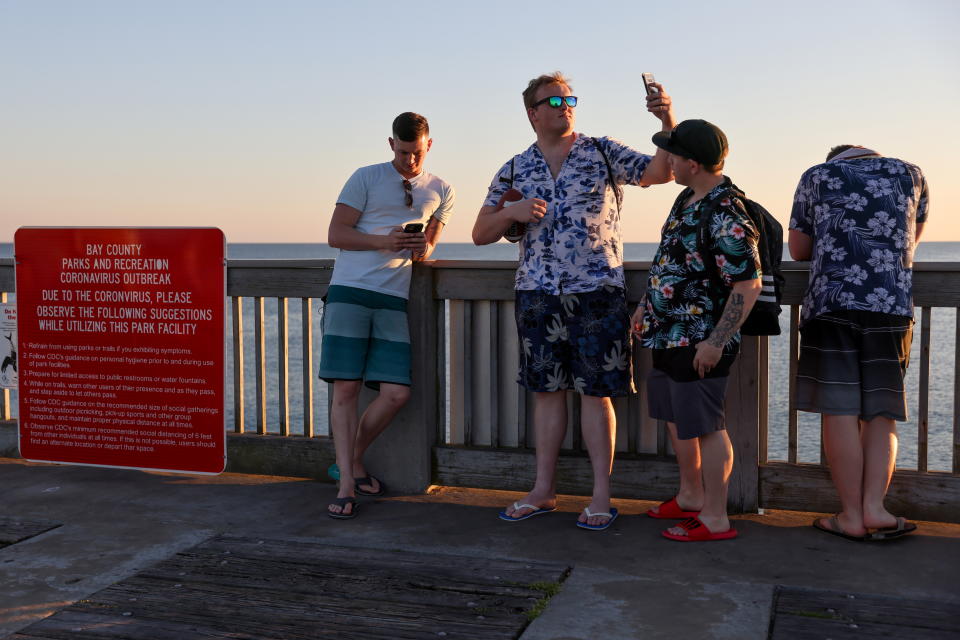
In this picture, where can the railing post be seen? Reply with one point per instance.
(4, 393)
(403, 454)
(743, 426)
(238, 377)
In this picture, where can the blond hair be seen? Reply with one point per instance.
(540, 81)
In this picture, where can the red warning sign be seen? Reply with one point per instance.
(121, 350)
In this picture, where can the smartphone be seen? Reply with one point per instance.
(648, 83)
(413, 227)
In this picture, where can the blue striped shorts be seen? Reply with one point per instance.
(365, 337)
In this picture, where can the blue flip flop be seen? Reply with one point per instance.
(598, 527)
(517, 506)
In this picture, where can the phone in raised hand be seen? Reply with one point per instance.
(648, 83)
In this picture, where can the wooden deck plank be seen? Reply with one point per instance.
(236, 587)
(809, 613)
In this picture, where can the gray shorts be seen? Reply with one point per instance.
(695, 407)
(852, 363)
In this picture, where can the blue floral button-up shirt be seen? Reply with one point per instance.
(577, 245)
(861, 214)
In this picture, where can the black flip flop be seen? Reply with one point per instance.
(343, 502)
(368, 480)
(902, 528)
(837, 530)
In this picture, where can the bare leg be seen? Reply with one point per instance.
(373, 422)
(717, 466)
(598, 423)
(879, 440)
(717, 453)
(343, 422)
(550, 427)
(690, 495)
(841, 442)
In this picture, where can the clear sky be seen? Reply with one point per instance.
(250, 114)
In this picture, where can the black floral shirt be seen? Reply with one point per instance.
(681, 305)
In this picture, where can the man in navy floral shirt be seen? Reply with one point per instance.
(572, 316)
(857, 218)
(691, 322)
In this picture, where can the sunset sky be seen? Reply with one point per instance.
(249, 115)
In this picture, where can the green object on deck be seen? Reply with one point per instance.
(334, 471)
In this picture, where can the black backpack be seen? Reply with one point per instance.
(763, 318)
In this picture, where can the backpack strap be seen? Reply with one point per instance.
(703, 231)
(617, 189)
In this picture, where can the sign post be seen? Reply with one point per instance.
(8, 346)
(122, 347)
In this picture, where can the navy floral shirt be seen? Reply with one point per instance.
(681, 306)
(577, 245)
(861, 214)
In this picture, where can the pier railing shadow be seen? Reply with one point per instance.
(468, 423)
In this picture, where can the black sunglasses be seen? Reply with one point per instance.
(557, 101)
(407, 193)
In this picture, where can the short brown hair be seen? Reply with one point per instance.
(534, 85)
(840, 148)
(410, 126)
(714, 168)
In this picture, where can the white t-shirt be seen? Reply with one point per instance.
(377, 192)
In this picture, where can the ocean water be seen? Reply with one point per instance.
(941, 401)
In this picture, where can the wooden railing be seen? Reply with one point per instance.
(468, 422)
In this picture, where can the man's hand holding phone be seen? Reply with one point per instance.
(658, 102)
(407, 238)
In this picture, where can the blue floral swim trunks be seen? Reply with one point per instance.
(578, 341)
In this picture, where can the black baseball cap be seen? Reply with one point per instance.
(695, 139)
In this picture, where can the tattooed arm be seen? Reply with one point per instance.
(741, 300)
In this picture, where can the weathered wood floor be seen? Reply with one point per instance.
(802, 614)
(246, 588)
(14, 530)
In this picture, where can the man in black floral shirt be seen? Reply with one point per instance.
(691, 321)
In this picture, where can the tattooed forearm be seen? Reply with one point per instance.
(729, 321)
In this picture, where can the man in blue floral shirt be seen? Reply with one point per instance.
(691, 321)
(857, 218)
(571, 310)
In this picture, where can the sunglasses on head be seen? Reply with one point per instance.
(407, 193)
(557, 101)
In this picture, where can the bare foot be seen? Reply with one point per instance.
(878, 519)
(684, 503)
(597, 507)
(539, 501)
(713, 524)
(847, 524)
(343, 505)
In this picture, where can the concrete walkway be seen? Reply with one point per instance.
(626, 582)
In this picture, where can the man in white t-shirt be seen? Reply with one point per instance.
(387, 217)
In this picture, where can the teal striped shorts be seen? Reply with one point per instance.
(365, 337)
